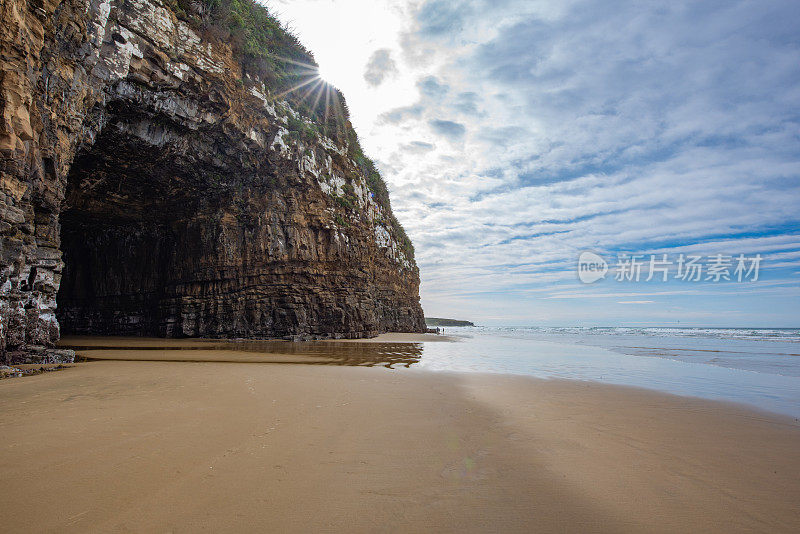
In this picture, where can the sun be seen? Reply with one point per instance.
(329, 72)
(326, 73)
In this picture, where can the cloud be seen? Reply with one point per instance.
(467, 103)
(623, 129)
(418, 147)
(449, 129)
(401, 114)
(379, 67)
(432, 87)
(442, 17)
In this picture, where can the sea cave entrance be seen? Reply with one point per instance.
(129, 235)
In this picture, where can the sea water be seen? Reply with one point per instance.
(758, 367)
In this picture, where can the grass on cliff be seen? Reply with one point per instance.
(255, 35)
(269, 50)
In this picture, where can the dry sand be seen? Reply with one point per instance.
(208, 446)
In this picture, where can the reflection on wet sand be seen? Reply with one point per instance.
(388, 355)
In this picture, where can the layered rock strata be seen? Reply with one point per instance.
(148, 187)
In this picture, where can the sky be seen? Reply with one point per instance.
(516, 134)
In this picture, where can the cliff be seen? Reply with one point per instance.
(152, 184)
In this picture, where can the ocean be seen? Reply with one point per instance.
(752, 366)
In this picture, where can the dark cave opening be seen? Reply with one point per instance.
(126, 240)
(113, 277)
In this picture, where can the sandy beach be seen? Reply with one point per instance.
(190, 446)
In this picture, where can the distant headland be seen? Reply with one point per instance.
(438, 321)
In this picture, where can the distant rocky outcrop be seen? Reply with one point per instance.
(151, 186)
(438, 321)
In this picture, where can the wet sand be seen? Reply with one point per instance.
(397, 337)
(189, 446)
(387, 350)
(139, 342)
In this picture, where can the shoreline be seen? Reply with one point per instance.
(183, 445)
(193, 342)
(399, 350)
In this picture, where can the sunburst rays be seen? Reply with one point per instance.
(312, 89)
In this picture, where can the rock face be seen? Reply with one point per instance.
(148, 188)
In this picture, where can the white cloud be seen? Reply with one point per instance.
(379, 67)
